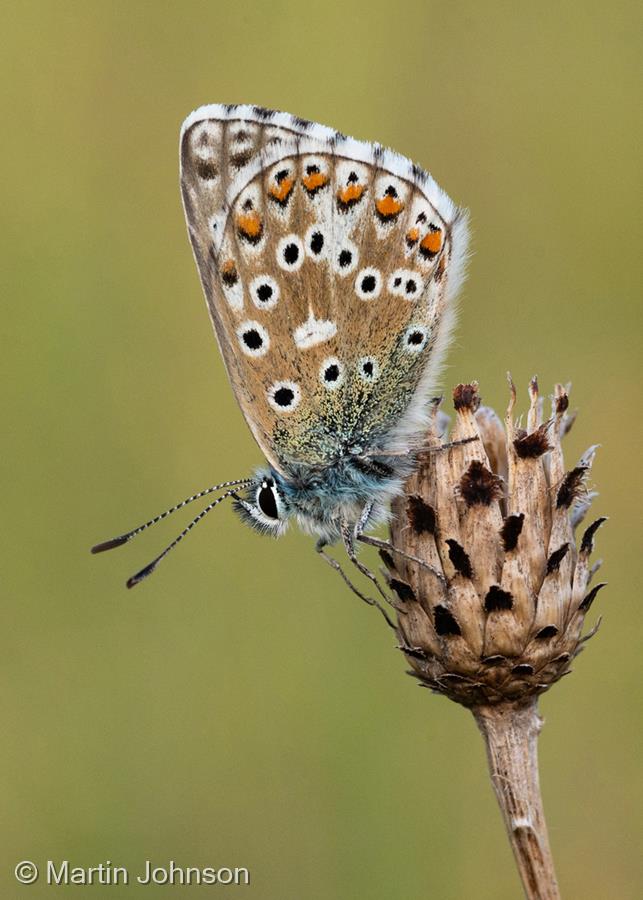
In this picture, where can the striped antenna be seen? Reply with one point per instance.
(124, 538)
(151, 566)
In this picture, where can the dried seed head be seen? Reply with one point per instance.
(497, 613)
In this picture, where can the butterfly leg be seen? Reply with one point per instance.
(319, 547)
(388, 546)
(349, 535)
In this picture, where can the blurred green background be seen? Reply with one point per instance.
(241, 707)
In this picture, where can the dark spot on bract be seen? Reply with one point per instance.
(291, 254)
(403, 590)
(571, 487)
(510, 531)
(587, 543)
(368, 284)
(523, 669)
(284, 396)
(479, 486)
(317, 242)
(421, 516)
(466, 396)
(497, 598)
(264, 293)
(459, 558)
(445, 622)
(496, 660)
(547, 632)
(531, 446)
(589, 599)
(331, 372)
(345, 259)
(252, 339)
(562, 403)
(411, 286)
(206, 169)
(556, 558)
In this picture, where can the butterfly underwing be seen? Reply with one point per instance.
(330, 268)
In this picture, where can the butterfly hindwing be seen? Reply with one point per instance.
(328, 265)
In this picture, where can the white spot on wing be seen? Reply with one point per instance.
(405, 283)
(284, 396)
(415, 338)
(264, 291)
(313, 331)
(253, 338)
(368, 369)
(330, 367)
(290, 253)
(368, 283)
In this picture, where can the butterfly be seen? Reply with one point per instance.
(330, 268)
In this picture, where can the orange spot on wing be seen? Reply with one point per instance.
(280, 192)
(431, 243)
(229, 274)
(250, 226)
(314, 181)
(412, 236)
(350, 195)
(389, 207)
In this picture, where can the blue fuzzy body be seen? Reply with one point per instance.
(321, 498)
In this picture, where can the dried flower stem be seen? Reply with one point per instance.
(511, 733)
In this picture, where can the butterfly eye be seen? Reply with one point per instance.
(290, 253)
(368, 369)
(267, 501)
(253, 338)
(264, 291)
(284, 396)
(416, 338)
(331, 373)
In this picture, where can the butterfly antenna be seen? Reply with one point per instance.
(124, 538)
(149, 568)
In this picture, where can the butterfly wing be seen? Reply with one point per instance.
(329, 267)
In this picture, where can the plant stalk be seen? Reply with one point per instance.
(510, 731)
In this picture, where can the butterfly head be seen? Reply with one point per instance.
(264, 505)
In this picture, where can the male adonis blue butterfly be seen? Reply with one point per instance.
(330, 268)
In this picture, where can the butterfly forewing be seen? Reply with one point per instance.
(327, 265)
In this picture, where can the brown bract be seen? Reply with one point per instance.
(498, 614)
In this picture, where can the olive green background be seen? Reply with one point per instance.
(241, 707)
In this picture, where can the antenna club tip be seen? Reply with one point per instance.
(108, 545)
